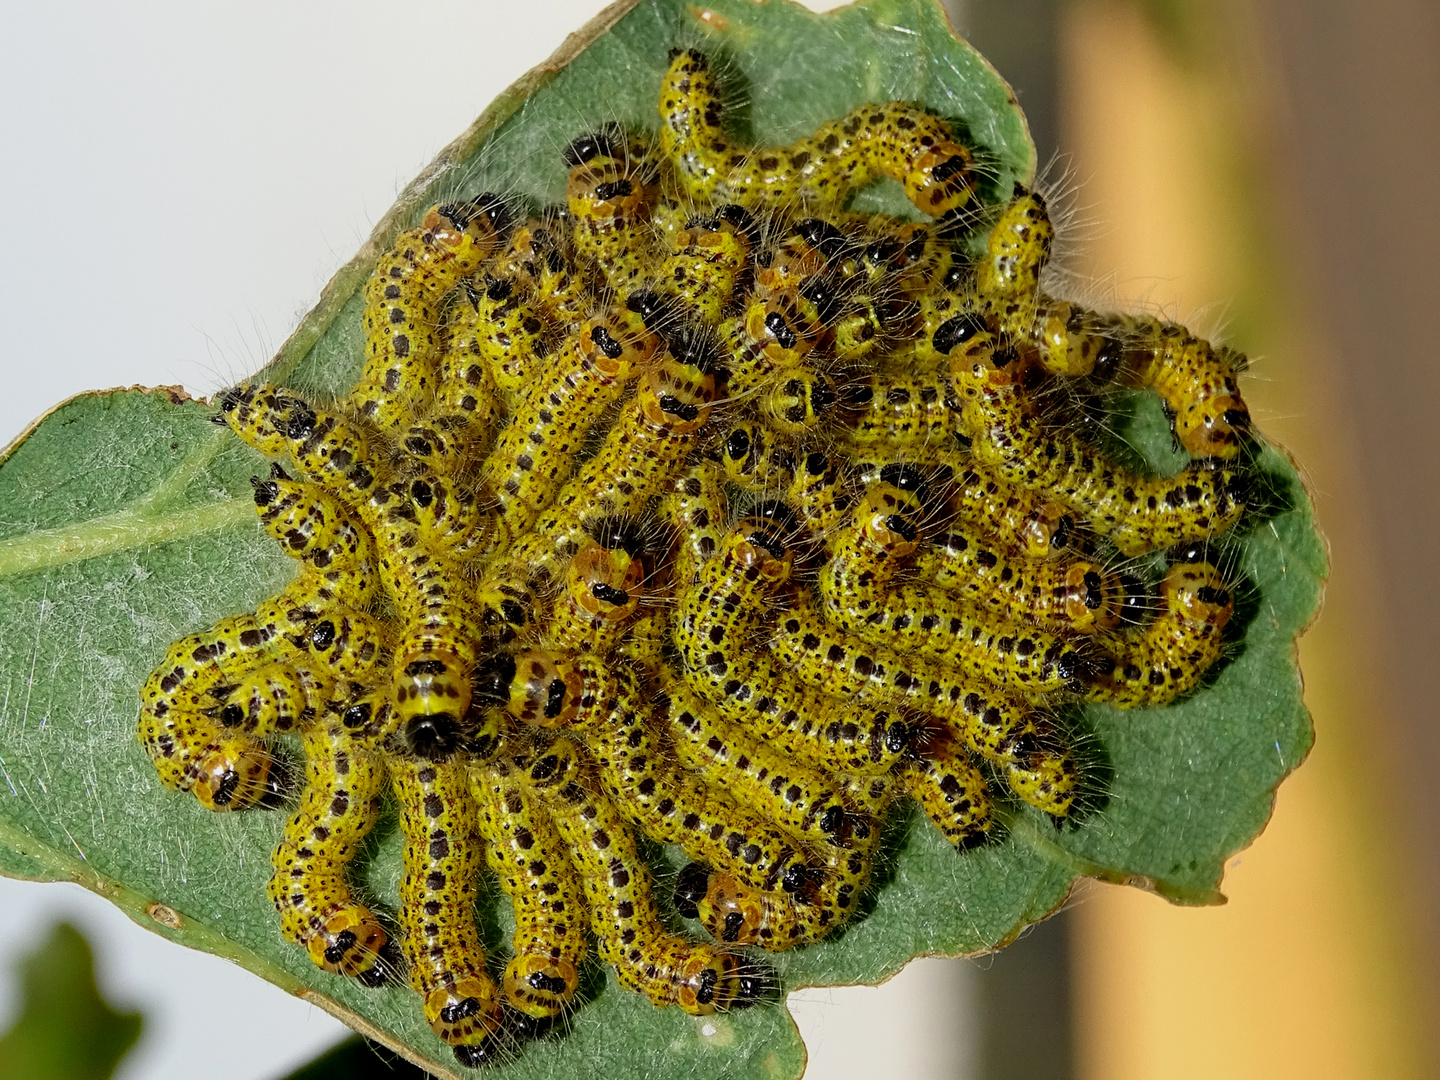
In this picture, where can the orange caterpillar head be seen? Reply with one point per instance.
(808, 249)
(1196, 591)
(233, 775)
(705, 980)
(538, 688)
(352, 944)
(619, 343)
(608, 182)
(605, 582)
(470, 231)
(939, 179)
(889, 516)
(467, 1016)
(1094, 598)
(789, 324)
(759, 543)
(675, 396)
(539, 985)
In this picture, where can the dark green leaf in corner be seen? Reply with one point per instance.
(65, 1030)
(124, 523)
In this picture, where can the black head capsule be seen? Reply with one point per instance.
(492, 679)
(608, 141)
(266, 491)
(434, 736)
(690, 889)
(618, 534)
(906, 478)
(957, 331)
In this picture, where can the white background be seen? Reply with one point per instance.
(177, 182)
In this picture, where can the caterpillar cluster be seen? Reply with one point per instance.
(705, 510)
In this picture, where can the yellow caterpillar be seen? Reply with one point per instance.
(917, 619)
(796, 798)
(992, 721)
(740, 914)
(402, 301)
(437, 907)
(1194, 379)
(1079, 596)
(629, 933)
(611, 193)
(1172, 654)
(951, 791)
(527, 854)
(894, 139)
(341, 802)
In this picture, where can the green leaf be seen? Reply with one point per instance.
(125, 522)
(66, 1030)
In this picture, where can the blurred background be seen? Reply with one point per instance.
(180, 181)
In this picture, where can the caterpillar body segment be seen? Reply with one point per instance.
(437, 906)
(797, 798)
(629, 932)
(694, 507)
(1171, 655)
(611, 192)
(277, 696)
(535, 870)
(903, 409)
(952, 793)
(535, 453)
(339, 807)
(717, 616)
(402, 299)
(895, 140)
(608, 707)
